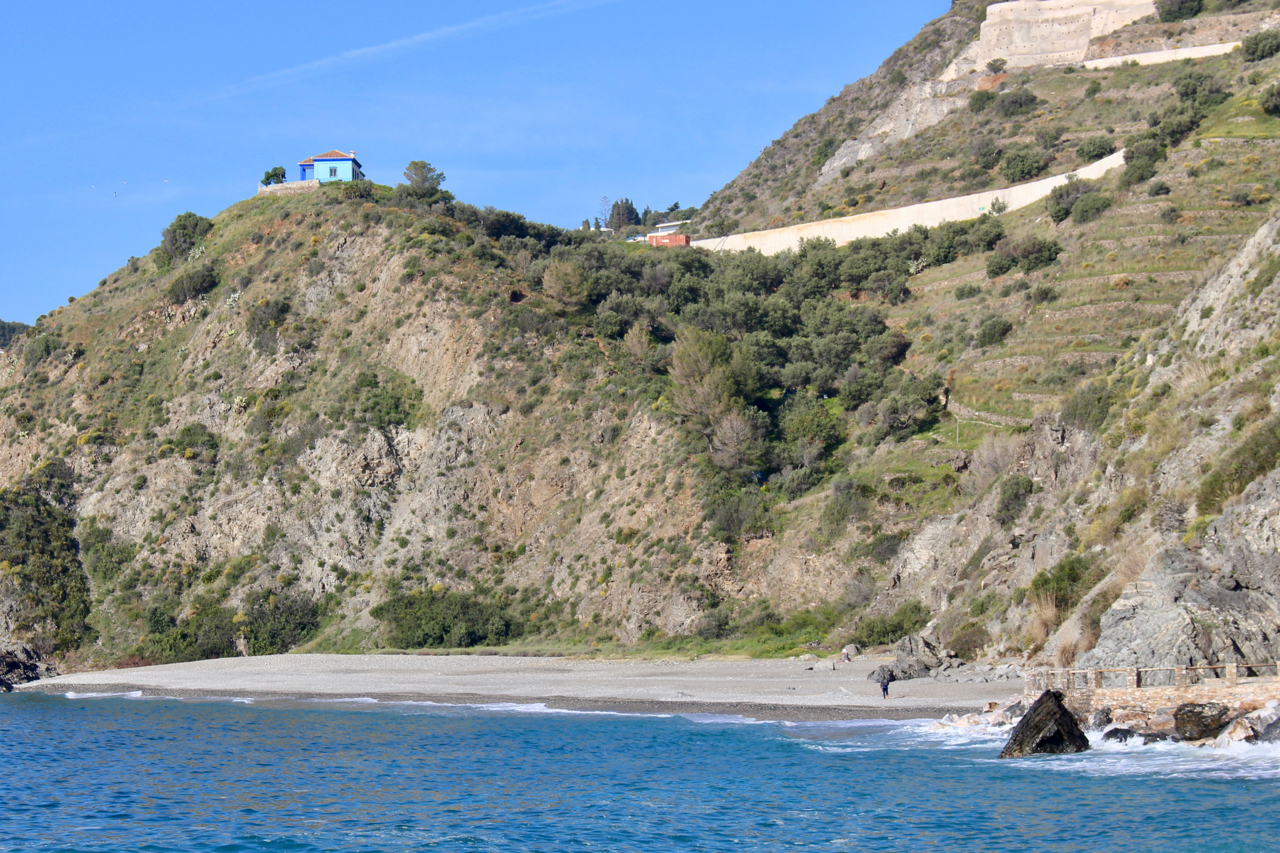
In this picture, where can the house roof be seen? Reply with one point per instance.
(335, 154)
(307, 162)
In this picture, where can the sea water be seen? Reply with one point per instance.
(113, 773)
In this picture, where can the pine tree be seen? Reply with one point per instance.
(622, 214)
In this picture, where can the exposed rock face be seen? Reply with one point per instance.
(921, 106)
(1048, 728)
(915, 656)
(20, 664)
(1216, 605)
(1199, 721)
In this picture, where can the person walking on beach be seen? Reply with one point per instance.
(884, 685)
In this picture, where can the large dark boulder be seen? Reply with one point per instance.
(1196, 721)
(1120, 735)
(1099, 720)
(897, 671)
(18, 665)
(914, 657)
(1048, 727)
(916, 648)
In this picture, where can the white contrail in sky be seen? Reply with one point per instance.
(498, 20)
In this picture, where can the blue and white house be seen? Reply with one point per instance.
(331, 166)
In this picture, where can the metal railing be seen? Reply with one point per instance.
(1085, 680)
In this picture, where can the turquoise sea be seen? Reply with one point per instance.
(116, 773)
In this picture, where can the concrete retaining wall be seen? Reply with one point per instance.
(1045, 32)
(882, 222)
(291, 188)
(1156, 57)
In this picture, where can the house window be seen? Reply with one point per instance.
(333, 171)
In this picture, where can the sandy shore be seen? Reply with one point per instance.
(763, 689)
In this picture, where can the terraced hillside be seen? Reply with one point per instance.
(792, 180)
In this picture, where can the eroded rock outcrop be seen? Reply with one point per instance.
(1218, 604)
(1047, 728)
(19, 664)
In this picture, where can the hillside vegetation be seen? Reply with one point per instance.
(374, 417)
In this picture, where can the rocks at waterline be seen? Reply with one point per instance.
(20, 664)
(1197, 721)
(1047, 728)
(1100, 719)
(919, 656)
(1120, 735)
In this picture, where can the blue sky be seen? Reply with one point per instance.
(117, 117)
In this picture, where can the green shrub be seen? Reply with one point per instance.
(882, 548)
(10, 329)
(1089, 406)
(355, 190)
(1095, 148)
(969, 640)
(1256, 455)
(41, 577)
(733, 515)
(1063, 198)
(1042, 293)
(264, 323)
(445, 620)
(275, 623)
(103, 557)
(387, 399)
(207, 631)
(993, 331)
(967, 291)
(879, 630)
(1260, 46)
(182, 235)
(1178, 10)
(1016, 102)
(1157, 189)
(1089, 207)
(998, 265)
(1270, 101)
(845, 503)
(986, 153)
(1267, 272)
(1067, 582)
(1023, 164)
(1200, 88)
(193, 283)
(1028, 253)
(979, 101)
(1014, 491)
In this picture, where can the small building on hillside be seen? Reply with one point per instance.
(665, 235)
(331, 166)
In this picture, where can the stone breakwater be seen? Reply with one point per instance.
(1146, 702)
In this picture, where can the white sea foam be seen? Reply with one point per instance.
(521, 708)
(131, 694)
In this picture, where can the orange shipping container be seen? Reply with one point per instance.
(668, 239)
